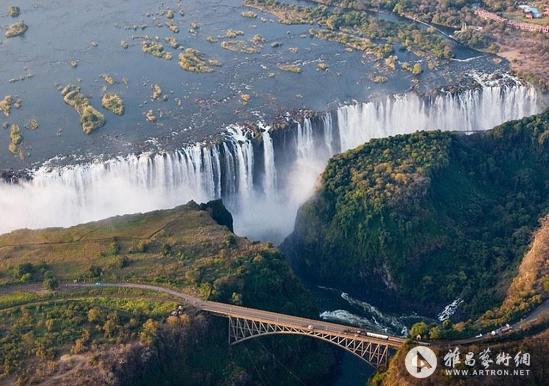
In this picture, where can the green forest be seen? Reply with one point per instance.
(430, 216)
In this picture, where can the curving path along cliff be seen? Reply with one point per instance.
(246, 323)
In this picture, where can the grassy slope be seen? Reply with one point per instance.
(433, 216)
(182, 248)
(529, 286)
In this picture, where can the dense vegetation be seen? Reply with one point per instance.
(441, 12)
(528, 52)
(430, 216)
(535, 345)
(359, 30)
(129, 335)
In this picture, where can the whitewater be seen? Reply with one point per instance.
(262, 178)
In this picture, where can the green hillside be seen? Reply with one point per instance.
(428, 217)
(126, 336)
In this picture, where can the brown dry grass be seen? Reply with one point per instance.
(527, 288)
(528, 54)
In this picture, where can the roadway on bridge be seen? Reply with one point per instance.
(229, 310)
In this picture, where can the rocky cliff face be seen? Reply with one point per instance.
(428, 217)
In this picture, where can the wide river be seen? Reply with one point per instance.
(264, 182)
(89, 34)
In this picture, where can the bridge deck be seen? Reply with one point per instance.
(228, 310)
(295, 322)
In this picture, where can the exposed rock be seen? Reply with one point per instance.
(155, 49)
(16, 29)
(149, 115)
(194, 27)
(194, 61)
(18, 103)
(391, 62)
(239, 46)
(14, 11)
(219, 213)
(249, 14)
(322, 66)
(90, 118)
(124, 44)
(15, 138)
(113, 103)
(156, 91)
(15, 134)
(5, 105)
(379, 78)
(108, 79)
(172, 27)
(232, 33)
(33, 124)
(417, 69)
(172, 42)
(296, 69)
(257, 39)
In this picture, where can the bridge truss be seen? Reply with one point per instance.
(372, 351)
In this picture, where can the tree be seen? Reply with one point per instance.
(148, 332)
(51, 324)
(23, 272)
(236, 298)
(25, 278)
(436, 333)
(95, 271)
(109, 328)
(78, 347)
(50, 283)
(419, 329)
(94, 315)
(123, 261)
(115, 247)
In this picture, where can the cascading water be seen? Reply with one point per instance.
(264, 195)
(269, 184)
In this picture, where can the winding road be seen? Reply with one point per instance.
(288, 321)
(232, 311)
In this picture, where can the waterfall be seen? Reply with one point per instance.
(244, 155)
(476, 109)
(328, 133)
(269, 182)
(263, 197)
(305, 142)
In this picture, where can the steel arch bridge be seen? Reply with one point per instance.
(375, 352)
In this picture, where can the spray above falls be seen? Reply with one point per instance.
(262, 178)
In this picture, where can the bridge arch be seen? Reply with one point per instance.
(372, 351)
